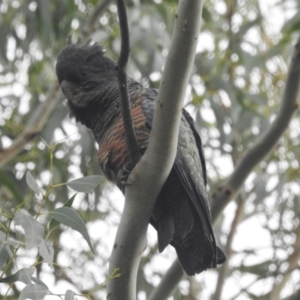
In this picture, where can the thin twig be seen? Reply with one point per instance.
(132, 145)
(224, 269)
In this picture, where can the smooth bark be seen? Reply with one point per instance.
(150, 173)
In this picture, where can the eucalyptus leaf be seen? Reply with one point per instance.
(53, 223)
(23, 275)
(71, 218)
(4, 255)
(69, 295)
(47, 252)
(33, 291)
(32, 183)
(39, 282)
(13, 242)
(2, 236)
(85, 184)
(34, 231)
(9, 241)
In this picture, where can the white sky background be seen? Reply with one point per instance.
(245, 237)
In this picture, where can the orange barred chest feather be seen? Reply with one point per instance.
(112, 154)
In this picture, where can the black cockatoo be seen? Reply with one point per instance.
(181, 213)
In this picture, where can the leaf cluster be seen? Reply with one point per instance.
(36, 237)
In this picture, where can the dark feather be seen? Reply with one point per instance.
(181, 214)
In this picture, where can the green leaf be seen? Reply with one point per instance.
(9, 241)
(85, 184)
(53, 223)
(68, 216)
(47, 252)
(39, 282)
(33, 291)
(5, 254)
(23, 275)
(69, 295)
(34, 231)
(2, 236)
(32, 183)
(12, 242)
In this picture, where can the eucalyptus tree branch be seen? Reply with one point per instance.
(169, 282)
(150, 173)
(40, 116)
(224, 269)
(265, 143)
(174, 275)
(132, 145)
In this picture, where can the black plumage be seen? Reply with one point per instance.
(181, 214)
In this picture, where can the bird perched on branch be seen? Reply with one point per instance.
(181, 213)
